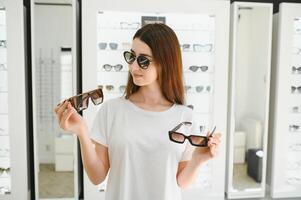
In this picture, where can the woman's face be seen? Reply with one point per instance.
(143, 77)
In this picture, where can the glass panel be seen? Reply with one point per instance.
(251, 68)
(53, 83)
(5, 180)
(196, 34)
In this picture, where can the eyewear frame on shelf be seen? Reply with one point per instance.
(103, 45)
(108, 67)
(195, 68)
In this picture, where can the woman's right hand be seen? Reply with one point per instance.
(69, 120)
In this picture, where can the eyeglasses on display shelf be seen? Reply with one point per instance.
(3, 67)
(195, 68)
(296, 109)
(294, 128)
(104, 45)
(3, 44)
(198, 89)
(296, 70)
(4, 172)
(111, 88)
(108, 67)
(296, 89)
(130, 25)
(197, 47)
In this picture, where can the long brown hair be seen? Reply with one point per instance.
(166, 51)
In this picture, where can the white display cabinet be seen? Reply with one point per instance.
(285, 165)
(250, 49)
(13, 134)
(202, 29)
(54, 78)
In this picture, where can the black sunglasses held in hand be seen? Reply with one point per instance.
(195, 140)
(81, 102)
(142, 61)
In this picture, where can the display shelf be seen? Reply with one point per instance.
(284, 178)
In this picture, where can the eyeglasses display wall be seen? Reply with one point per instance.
(251, 35)
(285, 177)
(205, 76)
(13, 129)
(5, 180)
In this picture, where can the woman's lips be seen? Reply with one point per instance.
(137, 75)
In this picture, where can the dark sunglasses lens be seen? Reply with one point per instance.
(97, 97)
(143, 62)
(81, 102)
(198, 140)
(177, 137)
(129, 57)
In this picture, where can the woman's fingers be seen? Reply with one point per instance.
(65, 116)
(58, 106)
(62, 109)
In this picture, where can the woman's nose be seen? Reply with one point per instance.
(134, 66)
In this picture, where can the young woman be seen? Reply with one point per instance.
(130, 133)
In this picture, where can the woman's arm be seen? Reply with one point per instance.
(95, 159)
(95, 156)
(188, 170)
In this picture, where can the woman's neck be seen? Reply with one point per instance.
(150, 95)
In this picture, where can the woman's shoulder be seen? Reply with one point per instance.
(184, 108)
(113, 102)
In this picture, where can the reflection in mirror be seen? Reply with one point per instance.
(251, 67)
(53, 76)
(5, 179)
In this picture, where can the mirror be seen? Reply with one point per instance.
(251, 69)
(53, 75)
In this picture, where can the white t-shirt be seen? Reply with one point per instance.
(143, 161)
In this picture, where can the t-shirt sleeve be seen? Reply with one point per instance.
(99, 127)
(193, 130)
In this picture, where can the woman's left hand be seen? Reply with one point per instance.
(202, 154)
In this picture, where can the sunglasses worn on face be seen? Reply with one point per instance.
(81, 102)
(195, 140)
(142, 61)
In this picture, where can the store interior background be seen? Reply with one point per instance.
(53, 48)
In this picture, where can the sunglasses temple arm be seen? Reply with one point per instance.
(177, 127)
